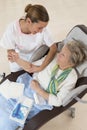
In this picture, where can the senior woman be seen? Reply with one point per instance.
(51, 85)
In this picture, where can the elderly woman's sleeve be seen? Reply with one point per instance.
(57, 100)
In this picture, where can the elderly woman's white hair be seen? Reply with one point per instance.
(78, 52)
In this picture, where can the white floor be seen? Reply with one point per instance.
(64, 14)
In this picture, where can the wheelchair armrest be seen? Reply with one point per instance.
(80, 100)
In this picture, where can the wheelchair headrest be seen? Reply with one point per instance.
(78, 32)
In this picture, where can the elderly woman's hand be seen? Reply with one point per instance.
(37, 88)
(35, 85)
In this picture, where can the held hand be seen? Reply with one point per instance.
(15, 56)
(9, 54)
(12, 56)
(35, 68)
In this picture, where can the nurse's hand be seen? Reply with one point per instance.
(10, 54)
(13, 56)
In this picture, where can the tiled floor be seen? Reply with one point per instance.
(64, 14)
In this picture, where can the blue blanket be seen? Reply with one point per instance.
(6, 106)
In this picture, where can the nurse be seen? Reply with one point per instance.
(27, 34)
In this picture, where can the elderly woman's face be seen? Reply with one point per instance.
(63, 58)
